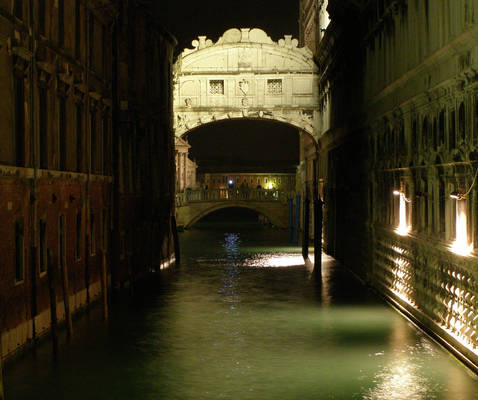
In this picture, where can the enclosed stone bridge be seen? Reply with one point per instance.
(192, 205)
(246, 75)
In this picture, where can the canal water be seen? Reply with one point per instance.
(241, 318)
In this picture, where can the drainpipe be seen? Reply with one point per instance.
(115, 239)
(34, 160)
(88, 156)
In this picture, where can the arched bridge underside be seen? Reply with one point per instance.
(246, 75)
(276, 213)
(193, 205)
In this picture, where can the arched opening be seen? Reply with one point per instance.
(241, 154)
(233, 217)
(248, 143)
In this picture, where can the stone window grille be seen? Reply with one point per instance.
(274, 86)
(216, 86)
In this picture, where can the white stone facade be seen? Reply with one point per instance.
(185, 167)
(245, 74)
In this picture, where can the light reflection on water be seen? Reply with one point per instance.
(230, 324)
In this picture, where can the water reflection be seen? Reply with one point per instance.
(230, 324)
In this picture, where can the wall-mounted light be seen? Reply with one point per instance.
(403, 228)
(458, 196)
(461, 246)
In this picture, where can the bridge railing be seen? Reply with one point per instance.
(236, 194)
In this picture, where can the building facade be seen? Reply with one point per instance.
(63, 160)
(397, 158)
(186, 169)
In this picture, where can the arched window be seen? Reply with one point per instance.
(475, 133)
(441, 128)
(452, 132)
(425, 132)
(414, 136)
(461, 123)
(441, 207)
(401, 139)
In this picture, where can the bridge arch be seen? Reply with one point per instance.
(246, 75)
(189, 215)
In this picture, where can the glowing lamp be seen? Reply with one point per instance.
(458, 196)
(230, 182)
(403, 229)
(461, 246)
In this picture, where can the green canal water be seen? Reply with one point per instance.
(241, 318)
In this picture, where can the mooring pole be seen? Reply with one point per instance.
(66, 296)
(104, 283)
(174, 228)
(52, 289)
(291, 219)
(297, 219)
(318, 217)
(2, 391)
(306, 228)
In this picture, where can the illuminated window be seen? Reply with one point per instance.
(216, 86)
(274, 86)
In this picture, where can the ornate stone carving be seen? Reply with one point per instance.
(244, 86)
(233, 80)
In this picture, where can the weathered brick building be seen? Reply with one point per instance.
(86, 155)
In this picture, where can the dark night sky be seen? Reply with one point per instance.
(186, 19)
(269, 146)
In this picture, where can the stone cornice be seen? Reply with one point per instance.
(247, 36)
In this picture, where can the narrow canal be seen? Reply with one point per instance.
(242, 319)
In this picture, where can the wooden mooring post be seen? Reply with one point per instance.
(51, 271)
(306, 228)
(104, 284)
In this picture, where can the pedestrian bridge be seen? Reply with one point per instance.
(192, 205)
(246, 75)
